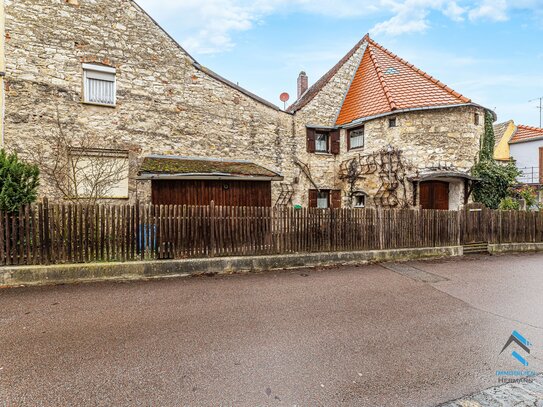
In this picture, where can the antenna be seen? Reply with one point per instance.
(284, 98)
(540, 107)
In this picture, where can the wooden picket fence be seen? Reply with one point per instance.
(73, 233)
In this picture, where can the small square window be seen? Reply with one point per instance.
(321, 142)
(356, 138)
(323, 199)
(99, 84)
(359, 201)
(392, 122)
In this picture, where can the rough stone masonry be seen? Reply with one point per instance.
(168, 104)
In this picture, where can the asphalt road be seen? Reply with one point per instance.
(365, 336)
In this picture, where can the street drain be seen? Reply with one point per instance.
(413, 273)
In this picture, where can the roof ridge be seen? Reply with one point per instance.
(382, 80)
(529, 127)
(314, 89)
(420, 72)
(505, 122)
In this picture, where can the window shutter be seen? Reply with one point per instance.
(313, 193)
(336, 198)
(334, 139)
(310, 140)
(348, 139)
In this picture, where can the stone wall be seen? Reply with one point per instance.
(165, 105)
(439, 138)
(168, 104)
(322, 111)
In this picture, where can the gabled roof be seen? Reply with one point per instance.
(177, 167)
(310, 93)
(386, 83)
(526, 133)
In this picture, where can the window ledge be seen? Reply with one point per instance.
(323, 153)
(99, 104)
(355, 148)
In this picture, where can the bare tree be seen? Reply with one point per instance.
(77, 167)
(353, 172)
(389, 167)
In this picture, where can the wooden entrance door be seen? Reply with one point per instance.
(434, 195)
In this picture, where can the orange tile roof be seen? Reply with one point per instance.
(384, 83)
(526, 133)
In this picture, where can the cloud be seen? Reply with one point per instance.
(454, 11)
(493, 10)
(409, 16)
(208, 26)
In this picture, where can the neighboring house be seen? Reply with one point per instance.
(373, 131)
(524, 145)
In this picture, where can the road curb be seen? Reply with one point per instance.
(515, 248)
(76, 273)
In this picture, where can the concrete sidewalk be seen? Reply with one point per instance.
(13, 276)
(514, 394)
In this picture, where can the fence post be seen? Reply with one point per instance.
(459, 226)
(46, 231)
(212, 229)
(381, 224)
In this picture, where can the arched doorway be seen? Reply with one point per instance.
(434, 195)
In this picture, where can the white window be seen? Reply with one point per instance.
(323, 199)
(357, 138)
(100, 173)
(321, 143)
(359, 200)
(99, 85)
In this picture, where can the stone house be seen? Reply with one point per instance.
(134, 105)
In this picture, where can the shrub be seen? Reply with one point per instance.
(495, 180)
(529, 194)
(509, 204)
(19, 182)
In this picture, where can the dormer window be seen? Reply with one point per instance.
(391, 71)
(99, 85)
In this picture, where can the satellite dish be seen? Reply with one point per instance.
(284, 98)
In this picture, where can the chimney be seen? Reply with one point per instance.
(303, 82)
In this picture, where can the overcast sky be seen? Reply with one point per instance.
(489, 50)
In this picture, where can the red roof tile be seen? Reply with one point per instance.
(384, 83)
(526, 133)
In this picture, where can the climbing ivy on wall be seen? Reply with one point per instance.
(489, 139)
(495, 180)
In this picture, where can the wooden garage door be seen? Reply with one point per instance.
(434, 195)
(202, 192)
